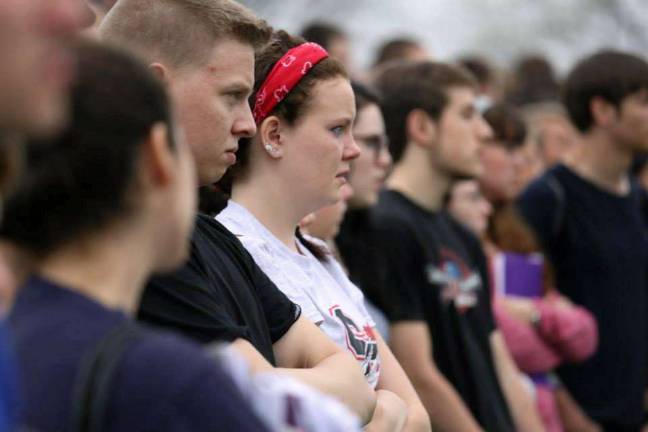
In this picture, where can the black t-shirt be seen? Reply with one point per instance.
(219, 294)
(438, 270)
(360, 254)
(598, 245)
(161, 382)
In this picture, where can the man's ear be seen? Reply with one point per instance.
(420, 128)
(270, 132)
(158, 157)
(162, 72)
(603, 112)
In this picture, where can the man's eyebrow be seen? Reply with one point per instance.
(237, 87)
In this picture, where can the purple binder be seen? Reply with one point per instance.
(519, 275)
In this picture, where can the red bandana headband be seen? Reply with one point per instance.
(284, 76)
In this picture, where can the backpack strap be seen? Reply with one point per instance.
(93, 383)
(559, 213)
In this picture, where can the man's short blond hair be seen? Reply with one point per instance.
(180, 33)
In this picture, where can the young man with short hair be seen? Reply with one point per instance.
(442, 327)
(204, 51)
(586, 213)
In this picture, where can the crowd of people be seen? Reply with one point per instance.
(210, 224)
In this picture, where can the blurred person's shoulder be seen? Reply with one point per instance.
(395, 209)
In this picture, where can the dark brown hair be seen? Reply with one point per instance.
(364, 95)
(479, 67)
(408, 86)
(507, 124)
(81, 180)
(322, 33)
(610, 75)
(533, 81)
(395, 49)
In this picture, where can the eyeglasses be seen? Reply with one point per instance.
(377, 143)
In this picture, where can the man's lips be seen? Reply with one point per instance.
(343, 176)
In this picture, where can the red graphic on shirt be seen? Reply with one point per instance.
(361, 341)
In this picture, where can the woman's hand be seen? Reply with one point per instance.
(519, 308)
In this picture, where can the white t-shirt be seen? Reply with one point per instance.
(326, 295)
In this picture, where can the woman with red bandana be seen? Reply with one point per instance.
(297, 163)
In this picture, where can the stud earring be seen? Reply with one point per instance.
(269, 148)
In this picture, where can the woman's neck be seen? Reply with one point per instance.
(274, 207)
(110, 268)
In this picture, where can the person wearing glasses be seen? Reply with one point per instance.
(366, 178)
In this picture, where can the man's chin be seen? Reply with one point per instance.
(465, 173)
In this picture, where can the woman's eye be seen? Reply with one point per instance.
(338, 131)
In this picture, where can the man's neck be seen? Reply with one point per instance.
(421, 183)
(111, 268)
(601, 161)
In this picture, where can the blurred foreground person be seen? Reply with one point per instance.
(586, 214)
(103, 205)
(37, 67)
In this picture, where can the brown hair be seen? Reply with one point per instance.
(80, 181)
(395, 49)
(508, 230)
(610, 75)
(407, 86)
(322, 33)
(181, 32)
(507, 123)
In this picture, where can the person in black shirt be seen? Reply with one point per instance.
(220, 294)
(442, 326)
(366, 178)
(587, 214)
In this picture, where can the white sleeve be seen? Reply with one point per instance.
(287, 276)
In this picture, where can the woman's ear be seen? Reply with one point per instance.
(420, 128)
(270, 134)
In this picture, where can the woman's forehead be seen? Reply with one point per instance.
(333, 97)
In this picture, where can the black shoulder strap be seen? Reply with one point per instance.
(92, 388)
(559, 213)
